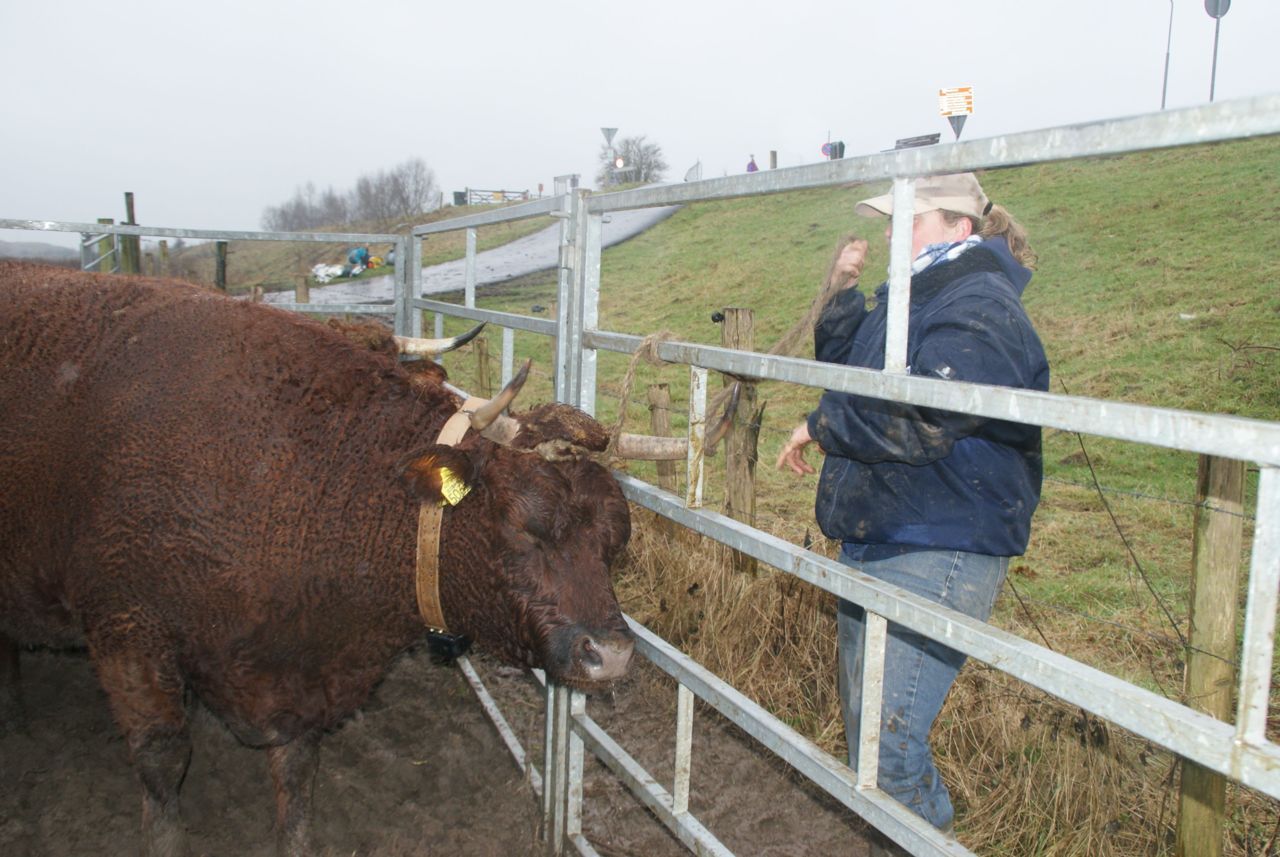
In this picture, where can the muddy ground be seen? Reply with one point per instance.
(420, 771)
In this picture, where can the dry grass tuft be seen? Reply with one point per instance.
(770, 635)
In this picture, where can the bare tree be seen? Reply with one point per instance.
(642, 161)
(406, 190)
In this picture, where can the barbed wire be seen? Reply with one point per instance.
(1140, 495)
(1163, 639)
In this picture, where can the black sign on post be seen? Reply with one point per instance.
(1217, 8)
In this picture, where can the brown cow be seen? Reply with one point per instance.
(221, 497)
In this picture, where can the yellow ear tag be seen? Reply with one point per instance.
(453, 488)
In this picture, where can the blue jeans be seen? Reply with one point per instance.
(918, 671)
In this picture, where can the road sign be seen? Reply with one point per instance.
(956, 104)
(957, 101)
(826, 150)
(608, 135)
(1217, 8)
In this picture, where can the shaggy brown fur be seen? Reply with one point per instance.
(213, 496)
(377, 337)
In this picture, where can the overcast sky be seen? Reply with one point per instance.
(211, 111)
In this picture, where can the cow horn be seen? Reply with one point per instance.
(432, 347)
(641, 447)
(491, 410)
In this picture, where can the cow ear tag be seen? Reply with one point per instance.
(452, 488)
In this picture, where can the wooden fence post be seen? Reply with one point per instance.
(660, 425)
(741, 445)
(164, 258)
(302, 291)
(1210, 672)
(220, 265)
(130, 245)
(484, 386)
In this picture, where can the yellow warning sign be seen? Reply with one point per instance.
(957, 101)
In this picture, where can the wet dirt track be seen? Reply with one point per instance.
(420, 771)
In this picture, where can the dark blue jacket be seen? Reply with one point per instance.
(899, 477)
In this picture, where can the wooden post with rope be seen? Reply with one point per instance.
(742, 443)
(660, 425)
(484, 386)
(1210, 672)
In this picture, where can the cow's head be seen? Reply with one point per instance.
(525, 555)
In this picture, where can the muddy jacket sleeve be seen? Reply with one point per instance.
(833, 333)
(973, 338)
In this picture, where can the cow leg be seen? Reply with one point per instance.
(12, 718)
(293, 770)
(147, 698)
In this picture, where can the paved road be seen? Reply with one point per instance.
(537, 252)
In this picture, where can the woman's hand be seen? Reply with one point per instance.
(847, 268)
(792, 454)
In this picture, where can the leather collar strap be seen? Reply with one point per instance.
(430, 517)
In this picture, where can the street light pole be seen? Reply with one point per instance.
(1167, 45)
(1213, 76)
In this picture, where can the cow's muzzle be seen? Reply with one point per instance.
(588, 659)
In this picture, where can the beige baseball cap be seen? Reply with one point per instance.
(958, 192)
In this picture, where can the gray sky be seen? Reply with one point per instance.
(209, 112)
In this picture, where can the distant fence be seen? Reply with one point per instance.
(475, 196)
(1239, 751)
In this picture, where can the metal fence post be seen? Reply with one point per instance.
(508, 354)
(564, 295)
(555, 785)
(469, 271)
(402, 294)
(413, 278)
(895, 343)
(587, 316)
(697, 436)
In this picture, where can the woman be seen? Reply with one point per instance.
(932, 501)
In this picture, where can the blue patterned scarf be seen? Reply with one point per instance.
(934, 254)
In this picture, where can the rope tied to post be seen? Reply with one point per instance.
(647, 351)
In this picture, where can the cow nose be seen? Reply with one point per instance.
(604, 660)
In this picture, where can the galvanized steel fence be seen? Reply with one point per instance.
(1240, 751)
